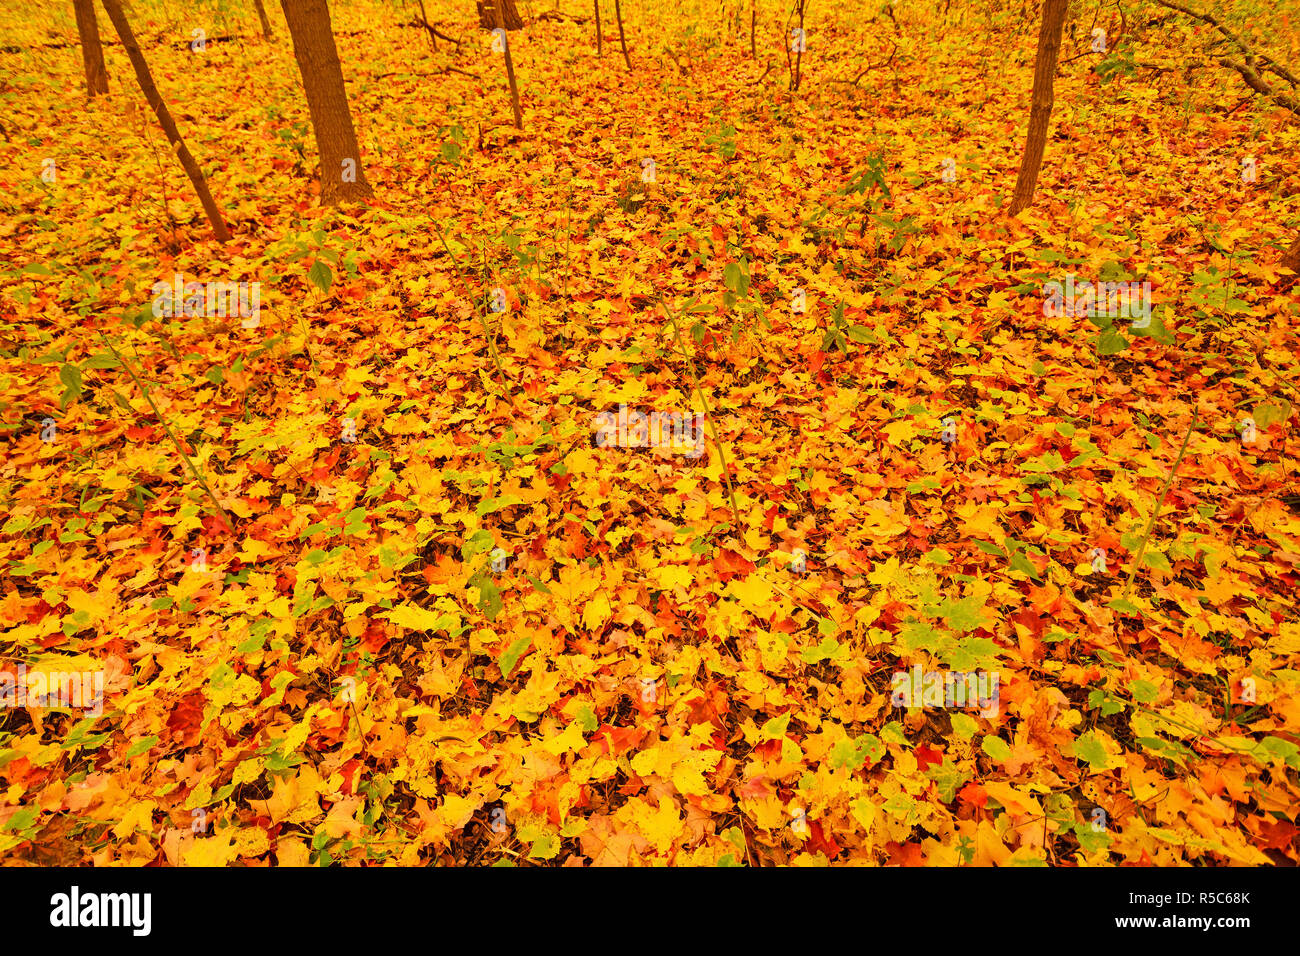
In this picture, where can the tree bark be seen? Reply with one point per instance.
(1292, 258)
(261, 15)
(510, 66)
(341, 175)
(797, 74)
(1040, 110)
(622, 39)
(114, 10)
(92, 53)
(600, 42)
(487, 17)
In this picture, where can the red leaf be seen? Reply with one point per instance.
(926, 755)
(906, 854)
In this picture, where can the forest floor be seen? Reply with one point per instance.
(665, 661)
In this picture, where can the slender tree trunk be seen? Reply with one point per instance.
(753, 25)
(92, 54)
(341, 175)
(798, 56)
(487, 17)
(510, 65)
(1040, 110)
(114, 10)
(600, 43)
(261, 15)
(1292, 259)
(622, 39)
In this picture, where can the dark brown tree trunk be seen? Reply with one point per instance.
(114, 10)
(1040, 110)
(1292, 258)
(341, 175)
(753, 25)
(510, 65)
(622, 39)
(487, 17)
(261, 15)
(600, 41)
(92, 54)
(797, 75)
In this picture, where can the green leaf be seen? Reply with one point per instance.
(1088, 747)
(996, 748)
(775, 728)
(1021, 563)
(1268, 413)
(22, 818)
(496, 504)
(477, 543)
(142, 746)
(585, 718)
(537, 584)
(545, 847)
(1110, 342)
(320, 276)
(854, 753)
(489, 601)
(70, 376)
(971, 653)
(102, 360)
(1144, 692)
(1124, 606)
(963, 614)
(510, 658)
(964, 726)
(731, 276)
(1156, 559)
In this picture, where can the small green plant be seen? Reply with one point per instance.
(723, 140)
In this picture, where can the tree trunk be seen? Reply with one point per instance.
(487, 17)
(92, 54)
(600, 42)
(341, 176)
(510, 65)
(1292, 258)
(797, 75)
(622, 39)
(261, 15)
(114, 10)
(1040, 110)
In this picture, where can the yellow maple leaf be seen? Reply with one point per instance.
(597, 613)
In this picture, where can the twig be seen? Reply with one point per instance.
(761, 78)
(1142, 545)
(1246, 69)
(708, 414)
(170, 434)
(876, 66)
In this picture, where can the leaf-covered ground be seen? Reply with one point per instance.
(647, 678)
